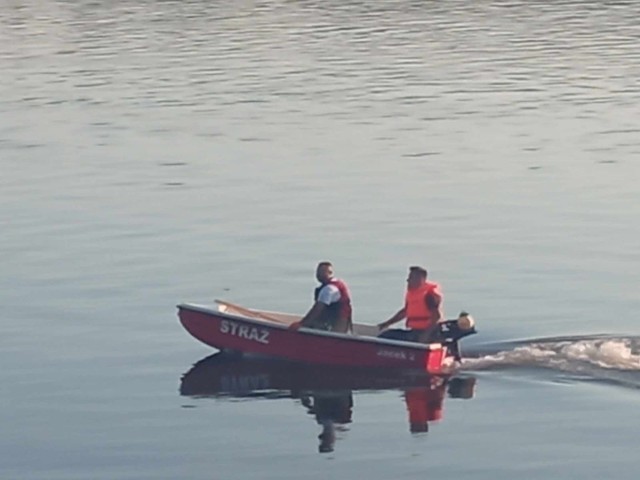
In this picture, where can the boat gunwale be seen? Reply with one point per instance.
(311, 331)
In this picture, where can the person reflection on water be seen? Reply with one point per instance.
(332, 411)
(424, 404)
(332, 303)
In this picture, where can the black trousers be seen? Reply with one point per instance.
(400, 334)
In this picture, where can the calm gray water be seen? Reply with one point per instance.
(155, 152)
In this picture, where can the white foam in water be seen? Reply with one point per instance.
(618, 354)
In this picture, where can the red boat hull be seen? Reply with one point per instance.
(225, 331)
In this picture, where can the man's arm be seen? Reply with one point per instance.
(328, 295)
(433, 301)
(400, 314)
(313, 314)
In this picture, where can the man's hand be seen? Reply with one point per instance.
(295, 326)
(400, 314)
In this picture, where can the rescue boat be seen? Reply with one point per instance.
(234, 328)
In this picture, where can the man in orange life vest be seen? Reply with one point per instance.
(422, 309)
(332, 303)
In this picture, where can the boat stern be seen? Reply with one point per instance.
(436, 359)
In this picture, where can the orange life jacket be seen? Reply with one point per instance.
(424, 404)
(418, 314)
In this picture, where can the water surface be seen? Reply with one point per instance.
(155, 152)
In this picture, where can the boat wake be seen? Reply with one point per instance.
(599, 358)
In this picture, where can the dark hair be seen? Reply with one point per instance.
(325, 264)
(420, 270)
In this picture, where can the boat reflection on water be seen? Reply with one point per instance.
(325, 392)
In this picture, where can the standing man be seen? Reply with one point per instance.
(422, 309)
(332, 303)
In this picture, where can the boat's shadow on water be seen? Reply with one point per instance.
(324, 392)
(610, 359)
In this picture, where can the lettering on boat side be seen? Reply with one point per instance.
(244, 331)
(244, 383)
(399, 355)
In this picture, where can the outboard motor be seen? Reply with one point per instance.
(451, 331)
